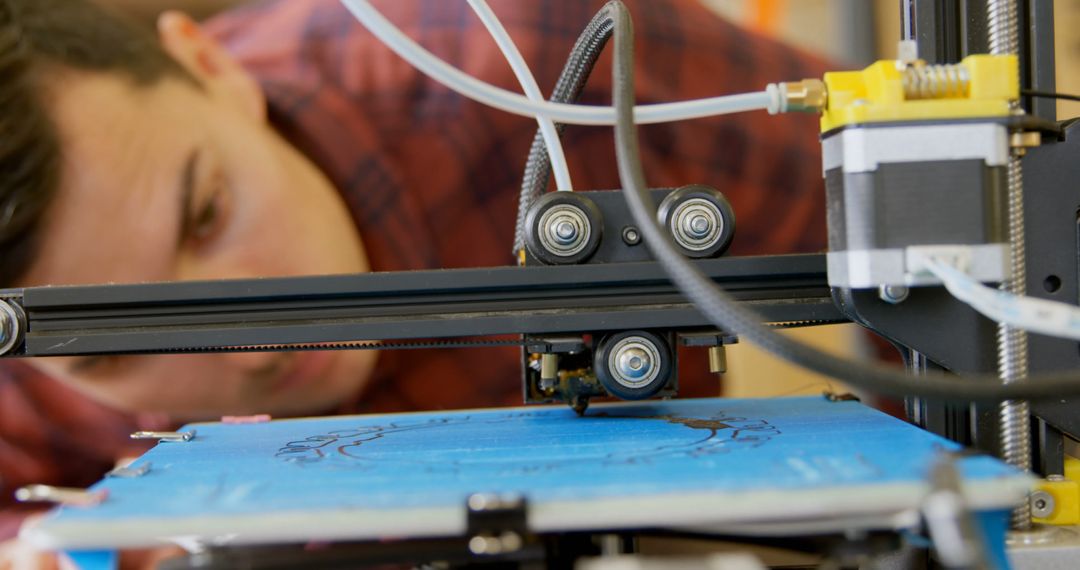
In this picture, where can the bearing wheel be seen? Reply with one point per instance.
(563, 228)
(699, 219)
(633, 365)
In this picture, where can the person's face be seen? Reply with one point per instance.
(176, 182)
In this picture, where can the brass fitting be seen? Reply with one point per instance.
(808, 95)
(718, 359)
(1021, 141)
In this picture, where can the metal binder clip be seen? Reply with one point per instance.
(165, 435)
(129, 472)
(496, 524)
(60, 495)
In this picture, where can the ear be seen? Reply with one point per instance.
(208, 62)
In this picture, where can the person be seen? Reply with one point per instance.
(283, 139)
(146, 12)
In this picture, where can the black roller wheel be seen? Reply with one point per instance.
(633, 365)
(563, 228)
(699, 219)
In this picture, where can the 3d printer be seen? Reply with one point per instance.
(945, 170)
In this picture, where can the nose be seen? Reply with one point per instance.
(256, 363)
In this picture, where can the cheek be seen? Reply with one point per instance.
(171, 384)
(285, 219)
(273, 239)
(168, 383)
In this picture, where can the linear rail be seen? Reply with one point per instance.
(219, 315)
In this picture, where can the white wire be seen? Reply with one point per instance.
(770, 99)
(1028, 313)
(531, 88)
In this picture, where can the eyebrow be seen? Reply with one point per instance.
(187, 193)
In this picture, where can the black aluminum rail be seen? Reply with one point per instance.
(219, 315)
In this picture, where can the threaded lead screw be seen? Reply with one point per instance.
(1013, 416)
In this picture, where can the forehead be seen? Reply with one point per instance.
(114, 217)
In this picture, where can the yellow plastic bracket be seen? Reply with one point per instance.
(1066, 495)
(876, 94)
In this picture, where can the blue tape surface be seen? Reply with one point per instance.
(548, 454)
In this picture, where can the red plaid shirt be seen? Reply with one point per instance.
(431, 178)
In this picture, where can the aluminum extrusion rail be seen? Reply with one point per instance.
(231, 314)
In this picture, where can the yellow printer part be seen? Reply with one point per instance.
(980, 86)
(1056, 500)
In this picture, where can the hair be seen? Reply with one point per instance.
(37, 38)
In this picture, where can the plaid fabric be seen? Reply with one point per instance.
(431, 178)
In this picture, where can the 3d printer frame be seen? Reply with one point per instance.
(618, 288)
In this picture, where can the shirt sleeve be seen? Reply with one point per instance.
(431, 178)
(51, 435)
(418, 163)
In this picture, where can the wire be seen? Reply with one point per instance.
(529, 86)
(716, 305)
(568, 88)
(770, 99)
(1041, 316)
(1049, 95)
(727, 314)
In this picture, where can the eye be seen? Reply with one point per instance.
(99, 365)
(208, 212)
(202, 223)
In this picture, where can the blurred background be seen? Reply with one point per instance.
(850, 33)
(857, 32)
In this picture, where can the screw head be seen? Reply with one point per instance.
(696, 224)
(565, 231)
(1042, 504)
(631, 235)
(699, 226)
(633, 362)
(893, 294)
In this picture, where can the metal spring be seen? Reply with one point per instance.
(935, 81)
